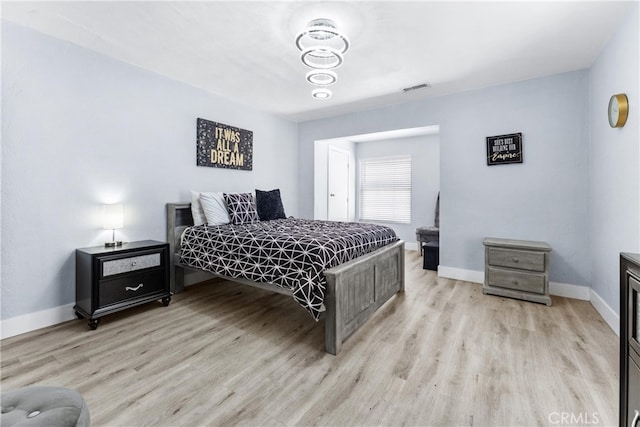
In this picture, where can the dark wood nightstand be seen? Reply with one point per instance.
(113, 279)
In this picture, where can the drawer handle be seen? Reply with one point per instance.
(636, 417)
(516, 260)
(514, 281)
(134, 263)
(134, 289)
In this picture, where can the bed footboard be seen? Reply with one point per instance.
(356, 289)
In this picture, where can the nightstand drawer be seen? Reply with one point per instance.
(126, 265)
(515, 280)
(130, 286)
(524, 260)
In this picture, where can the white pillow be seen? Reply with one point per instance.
(215, 209)
(196, 209)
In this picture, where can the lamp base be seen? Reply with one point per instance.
(112, 244)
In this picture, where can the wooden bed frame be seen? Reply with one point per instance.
(355, 289)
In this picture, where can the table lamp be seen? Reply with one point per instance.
(113, 220)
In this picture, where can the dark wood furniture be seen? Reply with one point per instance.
(517, 269)
(431, 255)
(629, 340)
(355, 289)
(113, 279)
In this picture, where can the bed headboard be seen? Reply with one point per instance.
(178, 218)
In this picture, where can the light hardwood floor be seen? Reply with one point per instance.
(441, 354)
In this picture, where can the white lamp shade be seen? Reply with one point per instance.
(113, 216)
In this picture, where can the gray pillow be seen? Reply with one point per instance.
(241, 208)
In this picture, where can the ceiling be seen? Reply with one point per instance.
(245, 51)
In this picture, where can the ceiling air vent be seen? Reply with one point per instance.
(421, 86)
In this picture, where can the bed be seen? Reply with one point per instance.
(353, 290)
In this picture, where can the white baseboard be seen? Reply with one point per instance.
(461, 274)
(608, 314)
(32, 321)
(411, 246)
(570, 291)
(560, 289)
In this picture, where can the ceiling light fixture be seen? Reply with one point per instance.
(322, 77)
(322, 47)
(321, 93)
(321, 57)
(322, 32)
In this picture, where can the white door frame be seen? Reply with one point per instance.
(349, 166)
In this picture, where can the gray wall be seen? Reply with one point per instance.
(545, 198)
(80, 129)
(614, 205)
(425, 176)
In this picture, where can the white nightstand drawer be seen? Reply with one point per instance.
(125, 265)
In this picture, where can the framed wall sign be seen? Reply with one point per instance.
(503, 149)
(223, 146)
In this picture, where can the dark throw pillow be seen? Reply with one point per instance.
(241, 208)
(269, 205)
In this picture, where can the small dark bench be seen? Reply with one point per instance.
(431, 257)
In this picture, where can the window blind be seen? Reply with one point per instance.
(385, 189)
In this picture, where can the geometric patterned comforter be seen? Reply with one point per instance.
(290, 253)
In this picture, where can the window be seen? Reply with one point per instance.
(385, 189)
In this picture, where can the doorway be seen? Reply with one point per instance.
(337, 184)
